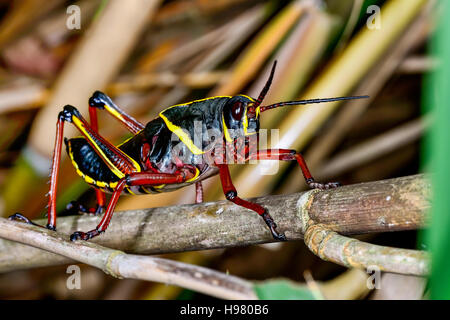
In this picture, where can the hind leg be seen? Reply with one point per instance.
(97, 210)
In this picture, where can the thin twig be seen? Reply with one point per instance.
(352, 253)
(388, 205)
(122, 265)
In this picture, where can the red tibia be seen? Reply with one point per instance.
(198, 192)
(93, 118)
(285, 155)
(100, 195)
(110, 210)
(230, 191)
(301, 161)
(54, 174)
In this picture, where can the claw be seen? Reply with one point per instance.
(273, 226)
(79, 235)
(20, 217)
(322, 186)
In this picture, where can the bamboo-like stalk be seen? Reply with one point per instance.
(122, 265)
(375, 147)
(415, 34)
(387, 205)
(97, 58)
(88, 69)
(251, 60)
(21, 17)
(23, 97)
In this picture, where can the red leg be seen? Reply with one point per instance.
(99, 194)
(51, 214)
(231, 194)
(134, 179)
(198, 192)
(291, 155)
(99, 100)
(119, 162)
(97, 210)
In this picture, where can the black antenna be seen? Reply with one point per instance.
(309, 101)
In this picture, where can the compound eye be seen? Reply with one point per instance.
(237, 111)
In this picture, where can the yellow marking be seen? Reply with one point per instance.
(245, 123)
(197, 173)
(101, 184)
(113, 168)
(79, 124)
(114, 112)
(145, 190)
(250, 98)
(184, 137)
(124, 141)
(129, 190)
(88, 179)
(113, 185)
(225, 130)
(191, 102)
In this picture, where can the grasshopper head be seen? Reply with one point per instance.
(239, 118)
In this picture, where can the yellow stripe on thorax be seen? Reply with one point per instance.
(225, 130)
(184, 137)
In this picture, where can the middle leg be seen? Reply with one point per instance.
(292, 155)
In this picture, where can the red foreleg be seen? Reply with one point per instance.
(291, 155)
(231, 194)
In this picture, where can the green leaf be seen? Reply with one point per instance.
(283, 290)
(437, 152)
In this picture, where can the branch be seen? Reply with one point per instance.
(122, 265)
(388, 205)
(352, 253)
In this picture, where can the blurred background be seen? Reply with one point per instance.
(149, 55)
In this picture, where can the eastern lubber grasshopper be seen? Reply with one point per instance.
(146, 163)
